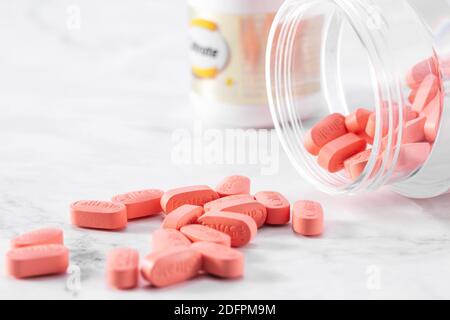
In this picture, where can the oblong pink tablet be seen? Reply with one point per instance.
(355, 165)
(38, 237)
(172, 266)
(123, 268)
(412, 95)
(307, 218)
(410, 114)
(163, 239)
(333, 155)
(37, 261)
(328, 129)
(96, 214)
(233, 185)
(182, 216)
(356, 121)
(198, 232)
(141, 203)
(412, 156)
(428, 89)
(433, 116)
(366, 137)
(219, 260)
(420, 71)
(370, 131)
(241, 228)
(195, 195)
(277, 206)
(247, 206)
(414, 130)
(210, 205)
(371, 124)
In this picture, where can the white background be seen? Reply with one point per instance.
(89, 112)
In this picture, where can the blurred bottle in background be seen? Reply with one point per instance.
(227, 54)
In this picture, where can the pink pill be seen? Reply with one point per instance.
(123, 268)
(195, 195)
(333, 155)
(142, 203)
(355, 165)
(219, 260)
(307, 218)
(371, 126)
(247, 206)
(356, 122)
(412, 156)
(211, 205)
(433, 115)
(99, 215)
(36, 261)
(38, 237)
(414, 130)
(366, 137)
(182, 216)
(409, 115)
(326, 130)
(233, 185)
(241, 228)
(277, 206)
(420, 71)
(427, 91)
(172, 266)
(198, 232)
(412, 95)
(163, 239)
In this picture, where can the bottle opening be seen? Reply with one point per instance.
(365, 127)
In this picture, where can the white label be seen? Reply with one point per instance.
(209, 52)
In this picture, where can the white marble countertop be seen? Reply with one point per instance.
(90, 112)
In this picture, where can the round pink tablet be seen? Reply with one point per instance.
(96, 214)
(142, 203)
(123, 268)
(163, 239)
(198, 232)
(328, 129)
(241, 228)
(219, 260)
(247, 206)
(195, 195)
(278, 207)
(182, 216)
(38, 237)
(211, 205)
(172, 266)
(37, 261)
(233, 185)
(307, 218)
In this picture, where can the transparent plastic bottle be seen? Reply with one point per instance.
(369, 52)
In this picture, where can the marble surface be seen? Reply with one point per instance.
(90, 112)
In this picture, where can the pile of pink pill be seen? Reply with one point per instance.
(344, 142)
(200, 232)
